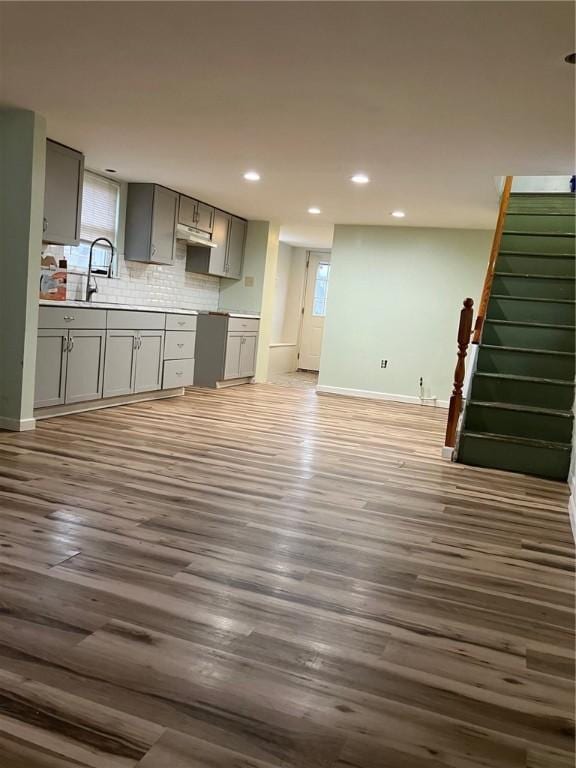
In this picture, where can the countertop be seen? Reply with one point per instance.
(140, 308)
(110, 305)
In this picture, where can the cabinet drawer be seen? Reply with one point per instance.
(178, 373)
(243, 324)
(181, 322)
(128, 319)
(71, 317)
(179, 344)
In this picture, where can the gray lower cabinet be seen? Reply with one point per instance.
(120, 363)
(50, 367)
(151, 213)
(149, 361)
(85, 365)
(226, 349)
(247, 364)
(69, 366)
(133, 362)
(62, 194)
(232, 362)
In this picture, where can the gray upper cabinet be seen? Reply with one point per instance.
(62, 194)
(235, 250)
(85, 365)
(151, 223)
(229, 234)
(193, 213)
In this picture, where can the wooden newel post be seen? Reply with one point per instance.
(464, 331)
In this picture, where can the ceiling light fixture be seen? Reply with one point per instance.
(360, 178)
(110, 170)
(252, 176)
(398, 214)
(570, 59)
(314, 211)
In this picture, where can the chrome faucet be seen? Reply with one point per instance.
(90, 289)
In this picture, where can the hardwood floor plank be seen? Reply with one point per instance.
(261, 577)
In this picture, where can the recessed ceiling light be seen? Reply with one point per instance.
(252, 176)
(398, 214)
(110, 170)
(360, 178)
(314, 211)
(571, 58)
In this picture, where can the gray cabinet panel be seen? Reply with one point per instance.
(178, 373)
(204, 217)
(163, 225)
(181, 322)
(71, 317)
(85, 368)
(235, 253)
(133, 319)
(149, 361)
(119, 363)
(50, 368)
(232, 360)
(211, 261)
(150, 223)
(187, 211)
(179, 345)
(247, 365)
(62, 194)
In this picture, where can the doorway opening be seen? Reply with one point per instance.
(300, 311)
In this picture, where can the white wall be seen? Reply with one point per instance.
(288, 294)
(396, 294)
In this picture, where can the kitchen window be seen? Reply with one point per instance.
(321, 290)
(100, 213)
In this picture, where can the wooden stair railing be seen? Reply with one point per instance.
(455, 408)
(488, 280)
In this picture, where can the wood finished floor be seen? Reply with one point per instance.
(261, 577)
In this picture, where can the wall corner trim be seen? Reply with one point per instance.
(373, 395)
(17, 425)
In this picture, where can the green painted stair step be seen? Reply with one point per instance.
(535, 264)
(539, 363)
(530, 456)
(522, 390)
(543, 204)
(544, 244)
(513, 333)
(539, 224)
(519, 421)
(531, 310)
(533, 286)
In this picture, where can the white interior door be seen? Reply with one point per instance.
(315, 296)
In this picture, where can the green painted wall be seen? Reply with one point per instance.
(395, 294)
(236, 294)
(22, 166)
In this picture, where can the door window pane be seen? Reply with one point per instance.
(321, 290)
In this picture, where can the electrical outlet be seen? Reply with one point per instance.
(383, 363)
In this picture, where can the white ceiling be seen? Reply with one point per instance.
(431, 99)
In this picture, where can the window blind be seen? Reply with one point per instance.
(99, 208)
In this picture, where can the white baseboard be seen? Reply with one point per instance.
(371, 394)
(572, 502)
(447, 452)
(17, 425)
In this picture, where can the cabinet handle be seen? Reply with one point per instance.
(68, 318)
(181, 322)
(180, 345)
(179, 373)
(153, 250)
(44, 224)
(71, 345)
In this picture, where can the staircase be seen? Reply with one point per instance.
(519, 415)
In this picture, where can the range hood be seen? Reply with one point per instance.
(193, 236)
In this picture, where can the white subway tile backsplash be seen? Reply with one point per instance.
(149, 284)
